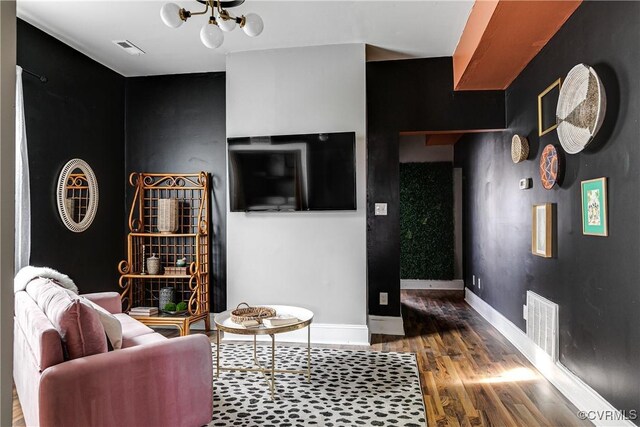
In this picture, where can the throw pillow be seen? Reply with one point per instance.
(110, 323)
(79, 325)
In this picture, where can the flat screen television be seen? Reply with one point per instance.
(284, 173)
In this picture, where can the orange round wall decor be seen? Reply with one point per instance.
(549, 166)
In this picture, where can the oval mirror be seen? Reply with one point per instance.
(77, 195)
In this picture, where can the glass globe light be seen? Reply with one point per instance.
(226, 24)
(170, 15)
(211, 36)
(253, 25)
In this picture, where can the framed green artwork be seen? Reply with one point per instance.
(594, 207)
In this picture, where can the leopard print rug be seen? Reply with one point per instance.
(347, 388)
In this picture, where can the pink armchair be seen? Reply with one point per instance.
(151, 381)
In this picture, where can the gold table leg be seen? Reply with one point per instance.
(265, 370)
(309, 353)
(217, 353)
(273, 366)
(255, 357)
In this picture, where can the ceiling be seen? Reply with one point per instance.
(392, 29)
(501, 37)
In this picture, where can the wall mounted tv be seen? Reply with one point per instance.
(284, 173)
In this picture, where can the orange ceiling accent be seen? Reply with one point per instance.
(441, 132)
(445, 137)
(442, 138)
(502, 36)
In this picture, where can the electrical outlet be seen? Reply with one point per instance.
(525, 312)
(474, 280)
(479, 284)
(381, 209)
(384, 298)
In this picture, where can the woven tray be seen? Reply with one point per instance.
(240, 315)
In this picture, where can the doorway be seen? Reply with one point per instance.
(430, 213)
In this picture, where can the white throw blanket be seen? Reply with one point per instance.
(28, 273)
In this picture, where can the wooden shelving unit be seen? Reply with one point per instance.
(191, 241)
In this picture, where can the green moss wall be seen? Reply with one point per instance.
(426, 221)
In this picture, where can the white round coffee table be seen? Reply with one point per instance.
(304, 317)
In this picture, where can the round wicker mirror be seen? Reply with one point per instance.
(77, 193)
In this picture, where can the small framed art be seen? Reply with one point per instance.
(547, 102)
(594, 207)
(541, 230)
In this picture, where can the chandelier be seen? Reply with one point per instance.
(220, 20)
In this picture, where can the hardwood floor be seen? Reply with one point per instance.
(18, 418)
(470, 374)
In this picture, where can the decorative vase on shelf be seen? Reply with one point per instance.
(168, 218)
(166, 296)
(153, 264)
(182, 262)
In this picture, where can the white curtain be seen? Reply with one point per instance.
(23, 193)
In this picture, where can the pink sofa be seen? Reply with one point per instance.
(151, 381)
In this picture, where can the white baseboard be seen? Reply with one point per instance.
(573, 388)
(386, 325)
(453, 285)
(321, 333)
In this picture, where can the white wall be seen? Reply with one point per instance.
(414, 150)
(315, 260)
(7, 143)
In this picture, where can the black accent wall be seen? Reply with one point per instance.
(173, 124)
(177, 124)
(78, 113)
(408, 95)
(593, 279)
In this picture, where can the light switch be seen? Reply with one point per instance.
(381, 208)
(526, 183)
(384, 298)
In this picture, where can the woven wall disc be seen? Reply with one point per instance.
(519, 148)
(549, 167)
(581, 108)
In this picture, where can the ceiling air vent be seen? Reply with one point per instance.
(129, 47)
